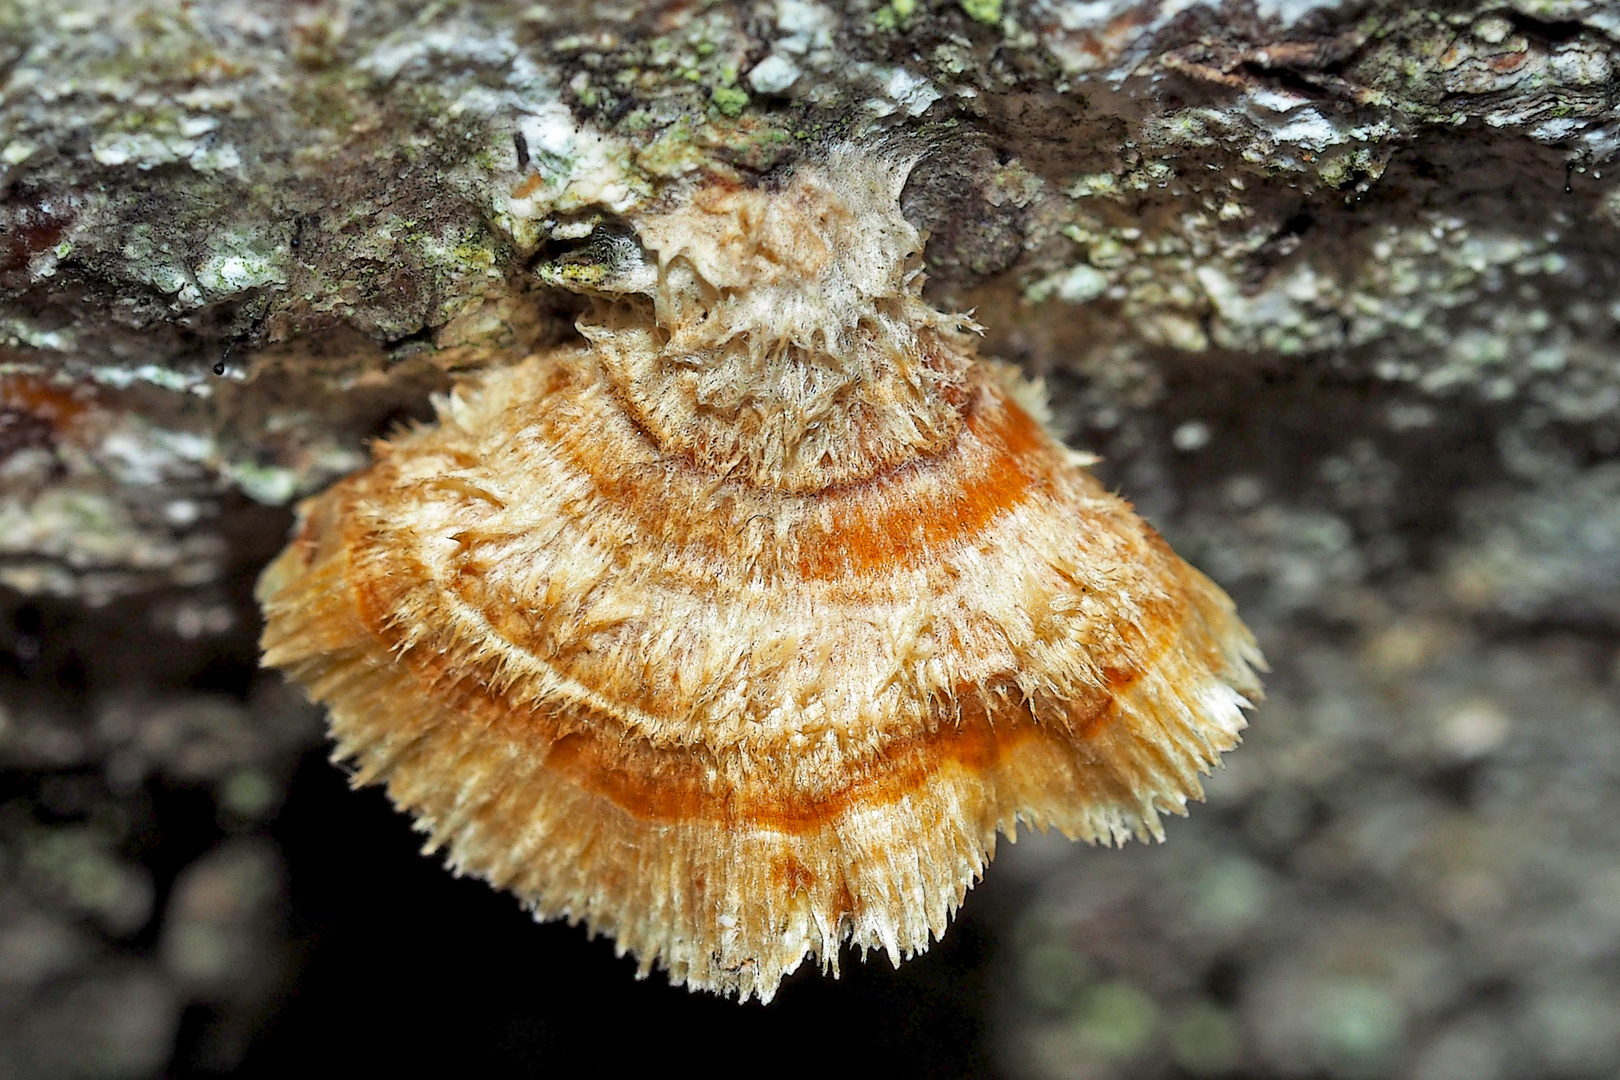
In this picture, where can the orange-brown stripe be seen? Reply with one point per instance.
(650, 784)
(875, 526)
(874, 531)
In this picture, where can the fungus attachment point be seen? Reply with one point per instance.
(739, 631)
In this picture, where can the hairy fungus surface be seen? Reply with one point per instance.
(739, 631)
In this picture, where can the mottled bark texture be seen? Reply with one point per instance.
(1329, 285)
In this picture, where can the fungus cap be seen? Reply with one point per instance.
(740, 630)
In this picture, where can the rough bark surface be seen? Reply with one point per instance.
(1330, 285)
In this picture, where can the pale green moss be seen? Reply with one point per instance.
(985, 11)
(730, 100)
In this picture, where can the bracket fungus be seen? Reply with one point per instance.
(740, 629)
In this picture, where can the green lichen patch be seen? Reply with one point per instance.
(984, 11)
(730, 100)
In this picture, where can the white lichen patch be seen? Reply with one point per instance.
(458, 40)
(152, 261)
(572, 167)
(1294, 316)
(1308, 129)
(16, 332)
(272, 485)
(238, 266)
(1280, 130)
(905, 92)
(1288, 12)
(1441, 305)
(84, 539)
(142, 455)
(18, 151)
(807, 31)
(1077, 285)
(150, 149)
(167, 378)
(774, 74)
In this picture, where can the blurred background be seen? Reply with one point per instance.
(1331, 287)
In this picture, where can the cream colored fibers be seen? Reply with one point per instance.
(740, 630)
